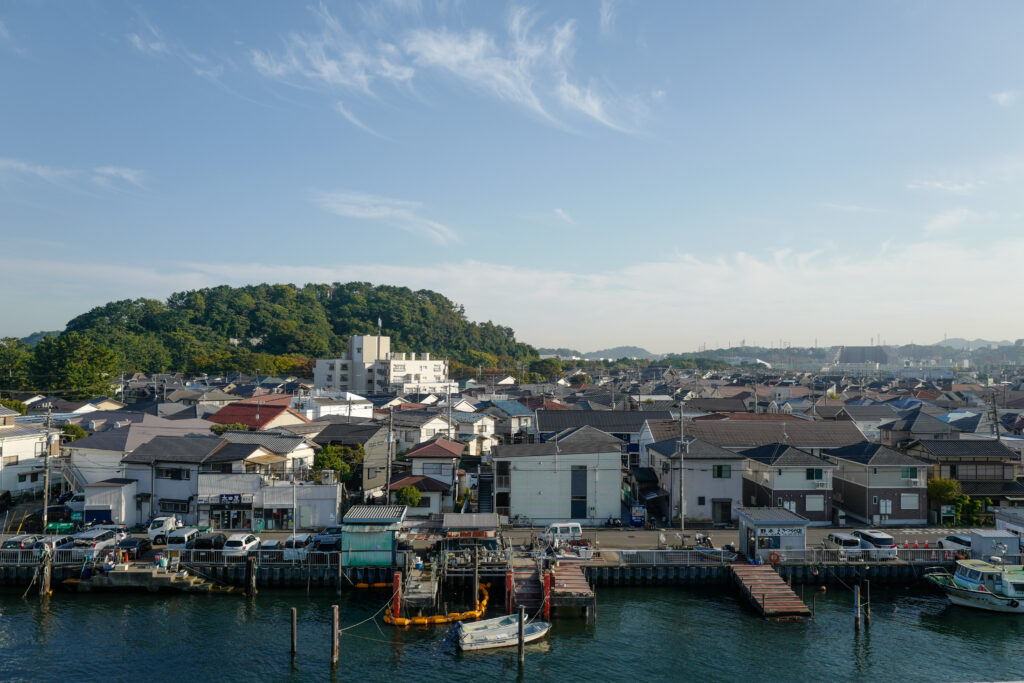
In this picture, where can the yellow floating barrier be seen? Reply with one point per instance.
(451, 617)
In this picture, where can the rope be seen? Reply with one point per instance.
(371, 617)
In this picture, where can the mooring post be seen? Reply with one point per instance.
(295, 625)
(856, 610)
(476, 572)
(867, 602)
(334, 635)
(396, 597)
(814, 602)
(522, 635)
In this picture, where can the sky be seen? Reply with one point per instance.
(662, 174)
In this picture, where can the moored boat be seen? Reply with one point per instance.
(498, 632)
(990, 586)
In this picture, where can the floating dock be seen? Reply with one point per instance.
(150, 578)
(768, 593)
(570, 588)
(420, 589)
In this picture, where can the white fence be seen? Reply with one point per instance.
(287, 557)
(669, 557)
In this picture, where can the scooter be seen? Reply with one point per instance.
(613, 522)
(704, 541)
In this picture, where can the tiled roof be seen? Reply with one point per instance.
(436, 448)
(187, 449)
(781, 455)
(695, 450)
(418, 481)
(918, 422)
(803, 434)
(611, 421)
(511, 408)
(583, 439)
(252, 415)
(875, 454)
(967, 448)
(771, 515)
(275, 443)
(992, 488)
(7, 412)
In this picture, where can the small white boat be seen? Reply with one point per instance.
(498, 632)
(990, 586)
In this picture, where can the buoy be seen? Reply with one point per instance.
(822, 589)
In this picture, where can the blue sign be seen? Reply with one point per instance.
(230, 498)
(637, 515)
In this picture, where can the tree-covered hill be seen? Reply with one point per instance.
(278, 328)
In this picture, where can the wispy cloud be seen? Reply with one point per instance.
(104, 174)
(849, 208)
(12, 167)
(947, 221)
(340, 107)
(397, 213)
(531, 68)
(564, 215)
(607, 17)
(954, 187)
(1005, 98)
(149, 44)
(4, 33)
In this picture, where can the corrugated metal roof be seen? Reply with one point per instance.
(375, 514)
(772, 515)
(470, 520)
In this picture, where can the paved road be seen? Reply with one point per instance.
(639, 538)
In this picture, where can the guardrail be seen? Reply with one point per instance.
(672, 557)
(858, 555)
(287, 557)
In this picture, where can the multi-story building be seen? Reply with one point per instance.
(878, 485)
(779, 475)
(370, 367)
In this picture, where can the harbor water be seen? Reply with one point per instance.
(664, 633)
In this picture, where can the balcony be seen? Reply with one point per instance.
(503, 481)
(913, 483)
(822, 485)
(506, 512)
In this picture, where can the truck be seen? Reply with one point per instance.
(160, 527)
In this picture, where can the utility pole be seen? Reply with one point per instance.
(682, 470)
(391, 441)
(46, 466)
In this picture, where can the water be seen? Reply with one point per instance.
(640, 633)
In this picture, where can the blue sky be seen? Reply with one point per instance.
(591, 174)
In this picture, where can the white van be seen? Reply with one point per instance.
(160, 528)
(562, 532)
(877, 544)
(182, 539)
(848, 546)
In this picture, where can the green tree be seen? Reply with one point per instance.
(334, 458)
(14, 405)
(73, 432)
(219, 429)
(944, 491)
(549, 368)
(15, 356)
(73, 365)
(408, 495)
(580, 380)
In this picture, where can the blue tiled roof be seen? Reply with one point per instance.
(512, 408)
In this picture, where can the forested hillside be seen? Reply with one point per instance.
(267, 328)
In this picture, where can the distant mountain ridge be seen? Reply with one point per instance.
(971, 345)
(614, 353)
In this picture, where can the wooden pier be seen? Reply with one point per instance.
(420, 589)
(570, 588)
(768, 593)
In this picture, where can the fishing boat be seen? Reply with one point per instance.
(991, 586)
(498, 632)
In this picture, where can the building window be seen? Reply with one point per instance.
(908, 473)
(10, 460)
(721, 472)
(22, 478)
(700, 500)
(39, 447)
(432, 468)
(909, 501)
(173, 473)
(814, 503)
(173, 506)
(330, 378)
(874, 500)
(815, 473)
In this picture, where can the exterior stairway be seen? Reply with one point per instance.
(528, 589)
(485, 491)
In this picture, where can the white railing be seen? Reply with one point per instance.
(503, 481)
(19, 558)
(671, 557)
(286, 557)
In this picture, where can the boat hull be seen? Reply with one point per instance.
(975, 599)
(532, 632)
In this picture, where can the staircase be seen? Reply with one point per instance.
(485, 491)
(528, 591)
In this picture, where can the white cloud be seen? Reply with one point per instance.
(1005, 98)
(607, 17)
(103, 175)
(564, 215)
(150, 42)
(4, 33)
(951, 186)
(849, 208)
(947, 221)
(722, 292)
(47, 173)
(397, 213)
(340, 107)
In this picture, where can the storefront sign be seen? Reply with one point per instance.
(781, 531)
(230, 498)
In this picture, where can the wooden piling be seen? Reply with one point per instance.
(295, 626)
(522, 635)
(856, 609)
(334, 635)
(867, 603)
(396, 596)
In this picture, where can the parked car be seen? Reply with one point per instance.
(847, 544)
(877, 544)
(241, 544)
(182, 539)
(57, 542)
(5, 501)
(331, 544)
(21, 542)
(135, 546)
(958, 542)
(328, 532)
(76, 502)
(120, 530)
(211, 541)
(160, 527)
(297, 545)
(94, 540)
(54, 513)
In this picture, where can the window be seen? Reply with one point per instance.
(874, 500)
(909, 501)
(721, 472)
(22, 478)
(908, 473)
(432, 468)
(39, 447)
(173, 506)
(10, 460)
(330, 378)
(173, 473)
(700, 500)
(815, 473)
(885, 507)
(780, 500)
(814, 503)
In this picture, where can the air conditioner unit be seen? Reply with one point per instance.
(328, 477)
(821, 485)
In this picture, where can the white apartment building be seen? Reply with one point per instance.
(322, 402)
(370, 367)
